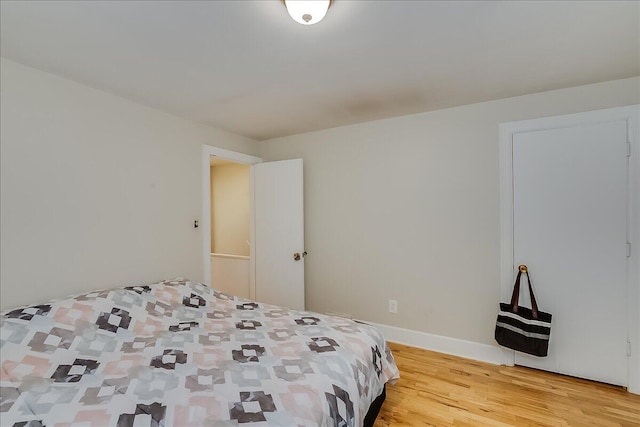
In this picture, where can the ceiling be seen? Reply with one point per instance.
(246, 67)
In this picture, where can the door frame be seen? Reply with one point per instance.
(631, 115)
(209, 151)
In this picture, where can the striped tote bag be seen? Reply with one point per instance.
(521, 328)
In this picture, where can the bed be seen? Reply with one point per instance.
(178, 353)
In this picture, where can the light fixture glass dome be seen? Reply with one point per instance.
(307, 12)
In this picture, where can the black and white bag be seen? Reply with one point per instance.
(521, 328)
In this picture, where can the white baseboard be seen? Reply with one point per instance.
(457, 347)
(441, 344)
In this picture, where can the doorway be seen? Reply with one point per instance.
(230, 223)
(276, 230)
(240, 263)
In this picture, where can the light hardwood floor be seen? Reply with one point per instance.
(440, 390)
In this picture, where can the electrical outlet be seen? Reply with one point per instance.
(393, 306)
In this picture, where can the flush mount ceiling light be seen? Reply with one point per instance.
(307, 12)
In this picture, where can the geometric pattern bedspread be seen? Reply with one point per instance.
(178, 353)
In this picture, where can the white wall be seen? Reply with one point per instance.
(97, 191)
(408, 208)
(231, 274)
(230, 209)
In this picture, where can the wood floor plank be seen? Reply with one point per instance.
(441, 390)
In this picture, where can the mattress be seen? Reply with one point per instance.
(178, 353)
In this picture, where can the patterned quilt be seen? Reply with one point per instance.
(178, 353)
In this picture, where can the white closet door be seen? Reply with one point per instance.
(570, 229)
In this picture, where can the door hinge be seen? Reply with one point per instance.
(628, 348)
(628, 249)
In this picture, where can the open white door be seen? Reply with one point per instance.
(279, 233)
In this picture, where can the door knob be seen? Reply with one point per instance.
(297, 256)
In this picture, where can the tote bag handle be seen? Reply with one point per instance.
(515, 296)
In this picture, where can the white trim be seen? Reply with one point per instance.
(233, 156)
(632, 116)
(441, 344)
(228, 256)
(207, 152)
(252, 235)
